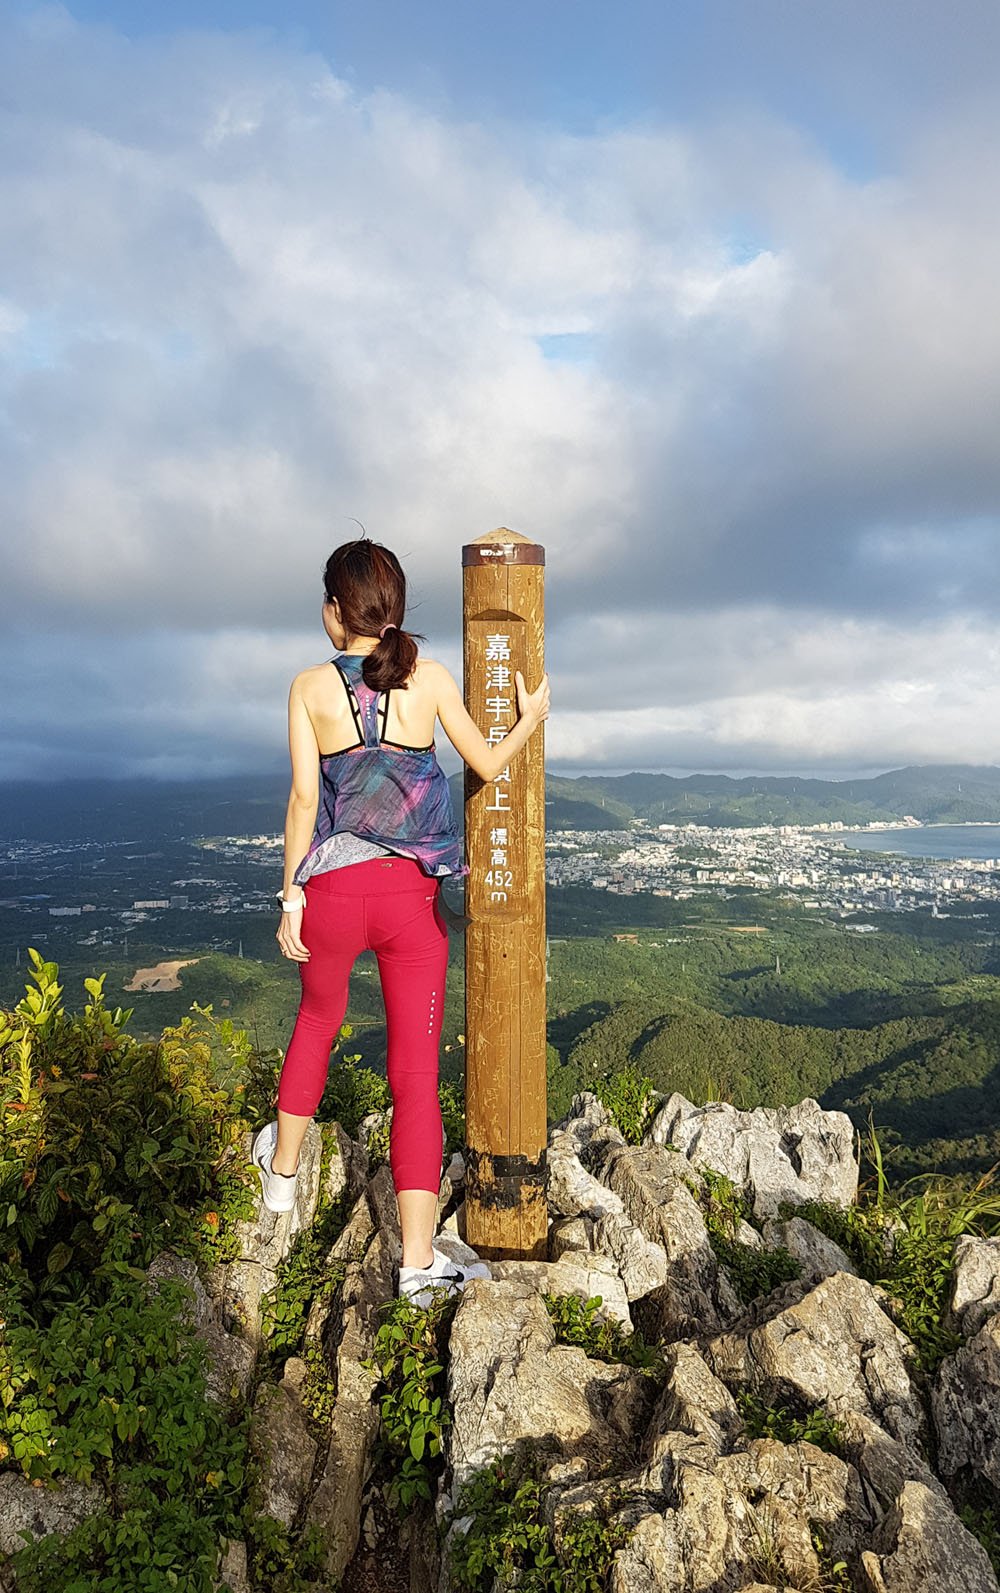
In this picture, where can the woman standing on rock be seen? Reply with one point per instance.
(369, 834)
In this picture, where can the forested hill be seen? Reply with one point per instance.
(933, 793)
(255, 803)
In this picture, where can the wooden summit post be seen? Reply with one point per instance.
(506, 1180)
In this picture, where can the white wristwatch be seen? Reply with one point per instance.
(290, 907)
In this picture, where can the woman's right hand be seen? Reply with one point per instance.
(532, 704)
(289, 935)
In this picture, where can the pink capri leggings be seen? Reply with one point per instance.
(387, 905)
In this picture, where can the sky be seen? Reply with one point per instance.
(700, 295)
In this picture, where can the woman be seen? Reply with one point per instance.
(364, 859)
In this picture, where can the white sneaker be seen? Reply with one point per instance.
(421, 1285)
(278, 1189)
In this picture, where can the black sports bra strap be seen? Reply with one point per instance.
(352, 699)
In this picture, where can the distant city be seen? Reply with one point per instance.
(814, 866)
(811, 865)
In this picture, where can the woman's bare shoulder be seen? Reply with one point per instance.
(308, 676)
(431, 668)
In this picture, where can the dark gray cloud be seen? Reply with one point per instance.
(746, 396)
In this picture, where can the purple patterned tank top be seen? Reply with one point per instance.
(389, 795)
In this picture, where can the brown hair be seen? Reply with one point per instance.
(368, 582)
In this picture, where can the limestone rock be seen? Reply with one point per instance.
(693, 1402)
(230, 1358)
(36, 1509)
(922, 1544)
(571, 1189)
(818, 1255)
(721, 1526)
(350, 1245)
(263, 1240)
(965, 1402)
(583, 1276)
(348, 1339)
(695, 1295)
(281, 1441)
(882, 1462)
(793, 1153)
(835, 1347)
(233, 1574)
(511, 1386)
(347, 1167)
(975, 1290)
(568, 1234)
(642, 1263)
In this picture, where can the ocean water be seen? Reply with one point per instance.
(948, 841)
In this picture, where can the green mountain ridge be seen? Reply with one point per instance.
(105, 810)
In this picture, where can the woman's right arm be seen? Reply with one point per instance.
(484, 757)
(300, 815)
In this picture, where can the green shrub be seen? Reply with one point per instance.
(754, 1269)
(574, 1323)
(115, 1394)
(508, 1536)
(281, 1563)
(904, 1240)
(414, 1413)
(112, 1147)
(629, 1099)
(812, 1423)
(304, 1275)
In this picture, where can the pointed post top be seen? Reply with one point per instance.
(502, 547)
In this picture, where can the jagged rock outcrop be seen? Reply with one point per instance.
(920, 1544)
(966, 1404)
(239, 1286)
(779, 1153)
(229, 1358)
(704, 1507)
(816, 1253)
(663, 1453)
(836, 1347)
(975, 1289)
(281, 1442)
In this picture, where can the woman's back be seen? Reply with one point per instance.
(410, 714)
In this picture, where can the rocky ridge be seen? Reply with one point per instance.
(695, 1504)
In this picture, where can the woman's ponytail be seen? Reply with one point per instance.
(390, 664)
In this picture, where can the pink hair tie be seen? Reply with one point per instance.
(385, 628)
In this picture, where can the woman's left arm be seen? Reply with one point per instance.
(487, 758)
(300, 816)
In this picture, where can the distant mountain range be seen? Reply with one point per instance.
(107, 810)
(933, 793)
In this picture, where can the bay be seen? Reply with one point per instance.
(947, 841)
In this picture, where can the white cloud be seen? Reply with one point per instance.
(245, 301)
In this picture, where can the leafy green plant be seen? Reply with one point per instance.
(629, 1099)
(280, 1562)
(813, 1424)
(305, 1276)
(574, 1321)
(979, 1511)
(452, 1101)
(508, 1537)
(414, 1413)
(904, 1240)
(115, 1394)
(351, 1092)
(754, 1269)
(112, 1147)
